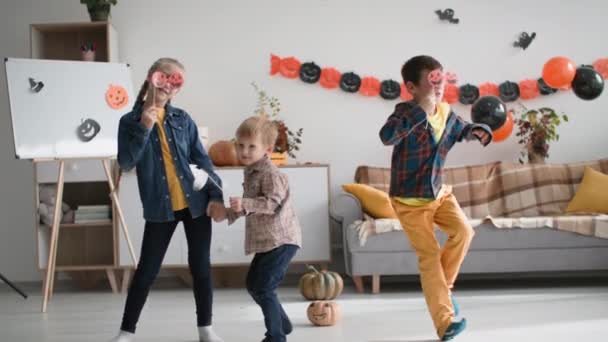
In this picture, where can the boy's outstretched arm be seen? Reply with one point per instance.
(401, 123)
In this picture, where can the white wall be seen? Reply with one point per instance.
(225, 45)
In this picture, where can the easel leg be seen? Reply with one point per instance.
(112, 279)
(50, 267)
(125, 230)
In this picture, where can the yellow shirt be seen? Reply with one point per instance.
(438, 122)
(178, 199)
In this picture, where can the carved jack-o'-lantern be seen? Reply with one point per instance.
(350, 82)
(390, 90)
(117, 97)
(87, 130)
(310, 72)
(323, 313)
(468, 94)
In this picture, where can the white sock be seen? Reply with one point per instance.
(206, 334)
(124, 336)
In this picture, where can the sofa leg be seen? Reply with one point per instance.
(358, 280)
(376, 284)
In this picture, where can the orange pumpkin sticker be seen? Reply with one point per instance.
(405, 94)
(290, 67)
(528, 89)
(450, 94)
(330, 78)
(370, 86)
(488, 89)
(117, 97)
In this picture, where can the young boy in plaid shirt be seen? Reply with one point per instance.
(272, 230)
(422, 132)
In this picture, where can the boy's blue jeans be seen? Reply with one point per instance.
(265, 274)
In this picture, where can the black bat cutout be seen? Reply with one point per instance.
(447, 14)
(525, 40)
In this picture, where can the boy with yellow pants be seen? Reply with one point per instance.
(422, 132)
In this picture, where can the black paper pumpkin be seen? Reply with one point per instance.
(508, 91)
(390, 90)
(544, 88)
(87, 130)
(468, 94)
(310, 72)
(350, 82)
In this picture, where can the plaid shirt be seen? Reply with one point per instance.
(270, 218)
(418, 159)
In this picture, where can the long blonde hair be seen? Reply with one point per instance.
(155, 66)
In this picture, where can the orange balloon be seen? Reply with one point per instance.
(502, 133)
(559, 72)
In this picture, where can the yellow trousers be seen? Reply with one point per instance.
(438, 266)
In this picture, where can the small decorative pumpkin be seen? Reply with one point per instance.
(315, 285)
(509, 91)
(290, 67)
(223, 153)
(330, 78)
(544, 88)
(323, 313)
(350, 82)
(468, 94)
(370, 86)
(310, 72)
(87, 130)
(117, 96)
(390, 90)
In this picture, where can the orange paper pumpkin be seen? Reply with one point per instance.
(528, 89)
(450, 94)
(559, 72)
(405, 94)
(488, 89)
(117, 96)
(601, 66)
(275, 64)
(502, 133)
(370, 86)
(323, 313)
(290, 67)
(330, 78)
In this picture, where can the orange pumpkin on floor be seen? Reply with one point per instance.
(223, 153)
(323, 313)
(316, 285)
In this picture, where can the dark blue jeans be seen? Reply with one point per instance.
(265, 274)
(154, 246)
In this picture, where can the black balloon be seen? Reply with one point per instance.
(390, 90)
(489, 110)
(588, 84)
(350, 82)
(468, 94)
(509, 91)
(544, 88)
(310, 72)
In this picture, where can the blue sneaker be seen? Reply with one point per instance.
(454, 329)
(455, 305)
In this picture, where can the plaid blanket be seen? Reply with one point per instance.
(512, 195)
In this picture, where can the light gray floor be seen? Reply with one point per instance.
(578, 312)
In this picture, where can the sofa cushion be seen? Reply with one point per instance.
(375, 203)
(592, 194)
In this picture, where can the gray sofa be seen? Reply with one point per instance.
(493, 251)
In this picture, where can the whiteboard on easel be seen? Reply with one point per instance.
(67, 109)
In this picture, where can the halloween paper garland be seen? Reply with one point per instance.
(370, 86)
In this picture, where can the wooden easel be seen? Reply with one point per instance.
(52, 257)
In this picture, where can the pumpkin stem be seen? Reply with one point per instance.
(312, 268)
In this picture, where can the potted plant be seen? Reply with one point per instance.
(288, 142)
(536, 129)
(99, 10)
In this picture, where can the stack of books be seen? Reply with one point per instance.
(92, 213)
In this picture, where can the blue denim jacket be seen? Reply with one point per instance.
(138, 146)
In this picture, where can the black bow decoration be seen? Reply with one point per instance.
(525, 40)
